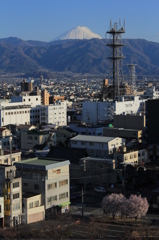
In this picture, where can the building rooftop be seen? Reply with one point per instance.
(25, 126)
(30, 194)
(87, 138)
(97, 159)
(41, 163)
(2, 129)
(37, 132)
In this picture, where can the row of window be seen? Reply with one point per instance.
(21, 112)
(34, 204)
(18, 112)
(16, 206)
(34, 116)
(31, 137)
(83, 143)
(29, 99)
(16, 195)
(54, 185)
(54, 198)
(134, 155)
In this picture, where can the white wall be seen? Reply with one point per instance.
(54, 114)
(93, 112)
(27, 100)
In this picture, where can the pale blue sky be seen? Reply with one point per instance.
(46, 19)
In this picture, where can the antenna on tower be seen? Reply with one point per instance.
(115, 44)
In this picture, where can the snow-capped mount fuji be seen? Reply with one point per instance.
(78, 33)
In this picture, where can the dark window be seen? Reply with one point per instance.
(36, 186)
(15, 185)
(16, 195)
(25, 184)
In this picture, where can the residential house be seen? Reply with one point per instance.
(136, 156)
(36, 137)
(97, 146)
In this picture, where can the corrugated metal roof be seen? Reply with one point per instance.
(86, 138)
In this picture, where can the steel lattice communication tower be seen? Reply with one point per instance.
(132, 76)
(115, 44)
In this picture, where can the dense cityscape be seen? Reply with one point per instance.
(79, 151)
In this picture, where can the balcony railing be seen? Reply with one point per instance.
(7, 201)
(6, 190)
(6, 213)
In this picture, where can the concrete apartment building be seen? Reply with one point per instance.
(11, 190)
(45, 97)
(97, 146)
(14, 113)
(5, 135)
(152, 118)
(35, 137)
(33, 210)
(130, 122)
(94, 112)
(133, 157)
(28, 110)
(54, 114)
(1, 212)
(47, 177)
(86, 130)
(8, 158)
(27, 100)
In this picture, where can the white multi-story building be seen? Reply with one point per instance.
(28, 110)
(14, 113)
(151, 93)
(54, 114)
(11, 190)
(132, 157)
(48, 177)
(94, 112)
(27, 100)
(1, 212)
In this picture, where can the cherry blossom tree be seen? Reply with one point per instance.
(113, 204)
(137, 206)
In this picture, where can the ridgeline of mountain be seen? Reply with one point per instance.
(78, 56)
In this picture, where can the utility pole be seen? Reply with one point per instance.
(82, 204)
(124, 179)
(84, 179)
(10, 141)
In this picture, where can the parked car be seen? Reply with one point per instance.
(100, 189)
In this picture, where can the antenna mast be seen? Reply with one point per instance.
(115, 44)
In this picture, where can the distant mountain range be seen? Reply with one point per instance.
(75, 55)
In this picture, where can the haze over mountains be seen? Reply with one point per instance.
(76, 55)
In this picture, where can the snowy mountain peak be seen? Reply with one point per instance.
(78, 33)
